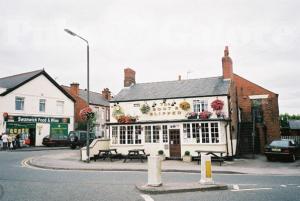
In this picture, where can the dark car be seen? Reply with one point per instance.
(282, 149)
(56, 140)
(78, 138)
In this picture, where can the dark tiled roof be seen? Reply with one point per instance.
(212, 86)
(294, 124)
(15, 80)
(95, 98)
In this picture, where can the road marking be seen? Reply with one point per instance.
(251, 189)
(284, 186)
(146, 197)
(298, 186)
(235, 187)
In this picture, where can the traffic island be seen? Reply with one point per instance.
(179, 188)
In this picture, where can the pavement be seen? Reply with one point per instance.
(70, 160)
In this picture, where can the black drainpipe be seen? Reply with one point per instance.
(226, 139)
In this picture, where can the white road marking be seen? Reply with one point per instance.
(235, 187)
(251, 189)
(298, 186)
(146, 197)
(284, 186)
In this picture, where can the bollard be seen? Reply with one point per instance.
(206, 172)
(154, 171)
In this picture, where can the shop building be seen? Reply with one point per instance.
(33, 104)
(99, 102)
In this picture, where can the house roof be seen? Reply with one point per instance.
(95, 98)
(294, 124)
(212, 86)
(13, 82)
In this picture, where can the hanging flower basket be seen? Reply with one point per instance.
(184, 105)
(205, 115)
(5, 116)
(217, 105)
(117, 111)
(192, 115)
(220, 114)
(145, 109)
(86, 114)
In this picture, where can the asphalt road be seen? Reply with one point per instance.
(18, 183)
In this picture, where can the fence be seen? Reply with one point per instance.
(295, 138)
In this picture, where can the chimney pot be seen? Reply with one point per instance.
(106, 94)
(129, 77)
(227, 65)
(74, 89)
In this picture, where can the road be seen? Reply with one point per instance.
(18, 183)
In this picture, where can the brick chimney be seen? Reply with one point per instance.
(106, 93)
(227, 65)
(74, 89)
(129, 77)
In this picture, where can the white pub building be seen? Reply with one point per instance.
(34, 105)
(173, 116)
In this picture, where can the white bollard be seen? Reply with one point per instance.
(206, 171)
(154, 171)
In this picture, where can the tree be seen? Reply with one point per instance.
(285, 117)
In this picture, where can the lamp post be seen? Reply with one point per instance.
(88, 91)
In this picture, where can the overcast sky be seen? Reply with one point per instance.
(160, 39)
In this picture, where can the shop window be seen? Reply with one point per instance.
(114, 135)
(195, 132)
(204, 133)
(19, 103)
(214, 131)
(165, 133)
(122, 134)
(138, 135)
(129, 134)
(187, 130)
(60, 107)
(200, 105)
(147, 134)
(42, 106)
(156, 134)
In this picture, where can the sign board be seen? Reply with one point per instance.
(32, 119)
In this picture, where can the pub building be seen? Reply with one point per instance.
(34, 105)
(206, 114)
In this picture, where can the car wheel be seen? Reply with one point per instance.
(293, 158)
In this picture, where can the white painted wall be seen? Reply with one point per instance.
(101, 116)
(33, 91)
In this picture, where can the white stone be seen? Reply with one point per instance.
(206, 170)
(154, 171)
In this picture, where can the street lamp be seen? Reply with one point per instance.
(88, 91)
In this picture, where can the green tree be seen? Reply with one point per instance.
(285, 117)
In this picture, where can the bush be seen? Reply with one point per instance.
(187, 153)
(160, 152)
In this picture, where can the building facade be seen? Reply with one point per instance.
(33, 104)
(99, 102)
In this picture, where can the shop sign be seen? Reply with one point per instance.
(31, 119)
(58, 130)
(165, 109)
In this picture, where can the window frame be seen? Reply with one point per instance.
(40, 102)
(22, 103)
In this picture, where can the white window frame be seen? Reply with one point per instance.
(200, 105)
(62, 104)
(22, 103)
(42, 101)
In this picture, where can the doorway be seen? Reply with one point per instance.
(175, 147)
(32, 136)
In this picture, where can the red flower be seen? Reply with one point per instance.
(217, 105)
(204, 114)
(86, 113)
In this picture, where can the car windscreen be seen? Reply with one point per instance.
(280, 143)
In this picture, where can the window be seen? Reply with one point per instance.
(60, 107)
(187, 130)
(129, 134)
(204, 133)
(122, 134)
(114, 135)
(200, 105)
(42, 106)
(138, 135)
(19, 103)
(156, 134)
(214, 131)
(195, 132)
(165, 133)
(147, 134)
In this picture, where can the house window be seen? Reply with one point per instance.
(165, 133)
(156, 134)
(122, 134)
(129, 134)
(60, 107)
(214, 131)
(204, 133)
(138, 135)
(42, 106)
(147, 134)
(19, 103)
(114, 135)
(200, 105)
(195, 132)
(187, 130)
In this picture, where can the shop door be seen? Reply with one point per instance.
(175, 149)
(32, 136)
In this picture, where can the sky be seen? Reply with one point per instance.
(159, 39)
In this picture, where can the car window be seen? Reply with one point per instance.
(280, 143)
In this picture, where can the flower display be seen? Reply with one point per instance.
(219, 114)
(184, 105)
(217, 105)
(145, 109)
(5, 116)
(191, 115)
(204, 115)
(117, 111)
(86, 113)
(126, 119)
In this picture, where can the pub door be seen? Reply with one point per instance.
(175, 147)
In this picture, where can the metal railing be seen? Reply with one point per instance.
(295, 138)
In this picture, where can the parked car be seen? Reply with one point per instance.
(56, 140)
(78, 138)
(282, 149)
